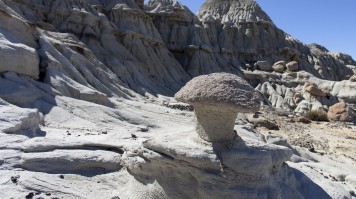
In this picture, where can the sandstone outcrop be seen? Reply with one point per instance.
(228, 39)
(231, 169)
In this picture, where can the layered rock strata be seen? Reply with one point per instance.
(230, 35)
(184, 166)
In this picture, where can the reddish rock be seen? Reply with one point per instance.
(292, 66)
(341, 112)
(313, 89)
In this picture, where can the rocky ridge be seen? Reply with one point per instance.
(85, 89)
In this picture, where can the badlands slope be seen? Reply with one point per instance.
(87, 107)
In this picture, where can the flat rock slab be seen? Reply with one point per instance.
(240, 156)
(86, 162)
(183, 163)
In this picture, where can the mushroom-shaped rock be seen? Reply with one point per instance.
(217, 98)
(279, 67)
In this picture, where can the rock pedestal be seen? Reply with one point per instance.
(215, 125)
(185, 164)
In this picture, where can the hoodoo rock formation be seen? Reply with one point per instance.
(217, 99)
(87, 107)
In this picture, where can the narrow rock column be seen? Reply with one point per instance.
(215, 124)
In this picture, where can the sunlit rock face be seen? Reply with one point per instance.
(87, 107)
(230, 35)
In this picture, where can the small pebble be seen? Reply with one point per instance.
(30, 195)
(15, 179)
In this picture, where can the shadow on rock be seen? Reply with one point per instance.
(307, 187)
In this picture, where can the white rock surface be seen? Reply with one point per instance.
(18, 120)
(19, 58)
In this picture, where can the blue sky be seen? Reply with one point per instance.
(326, 22)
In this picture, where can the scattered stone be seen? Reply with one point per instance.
(61, 176)
(313, 89)
(292, 66)
(133, 136)
(279, 67)
(341, 112)
(15, 179)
